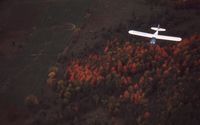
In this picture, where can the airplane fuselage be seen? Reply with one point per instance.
(153, 39)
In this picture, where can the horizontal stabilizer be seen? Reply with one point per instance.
(158, 29)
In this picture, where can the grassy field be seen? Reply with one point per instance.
(41, 34)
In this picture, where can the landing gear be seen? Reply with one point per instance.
(153, 41)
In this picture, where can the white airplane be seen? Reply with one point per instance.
(155, 35)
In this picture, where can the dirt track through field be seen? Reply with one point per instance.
(32, 33)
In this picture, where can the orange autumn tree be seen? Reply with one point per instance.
(129, 64)
(126, 73)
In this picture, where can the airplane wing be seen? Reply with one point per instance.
(162, 37)
(137, 33)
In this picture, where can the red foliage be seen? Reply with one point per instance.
(136, 86)
(137, 97)
(146, 115)
(133, 65)
(126, 94)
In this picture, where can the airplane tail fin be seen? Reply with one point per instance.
(158, 29)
